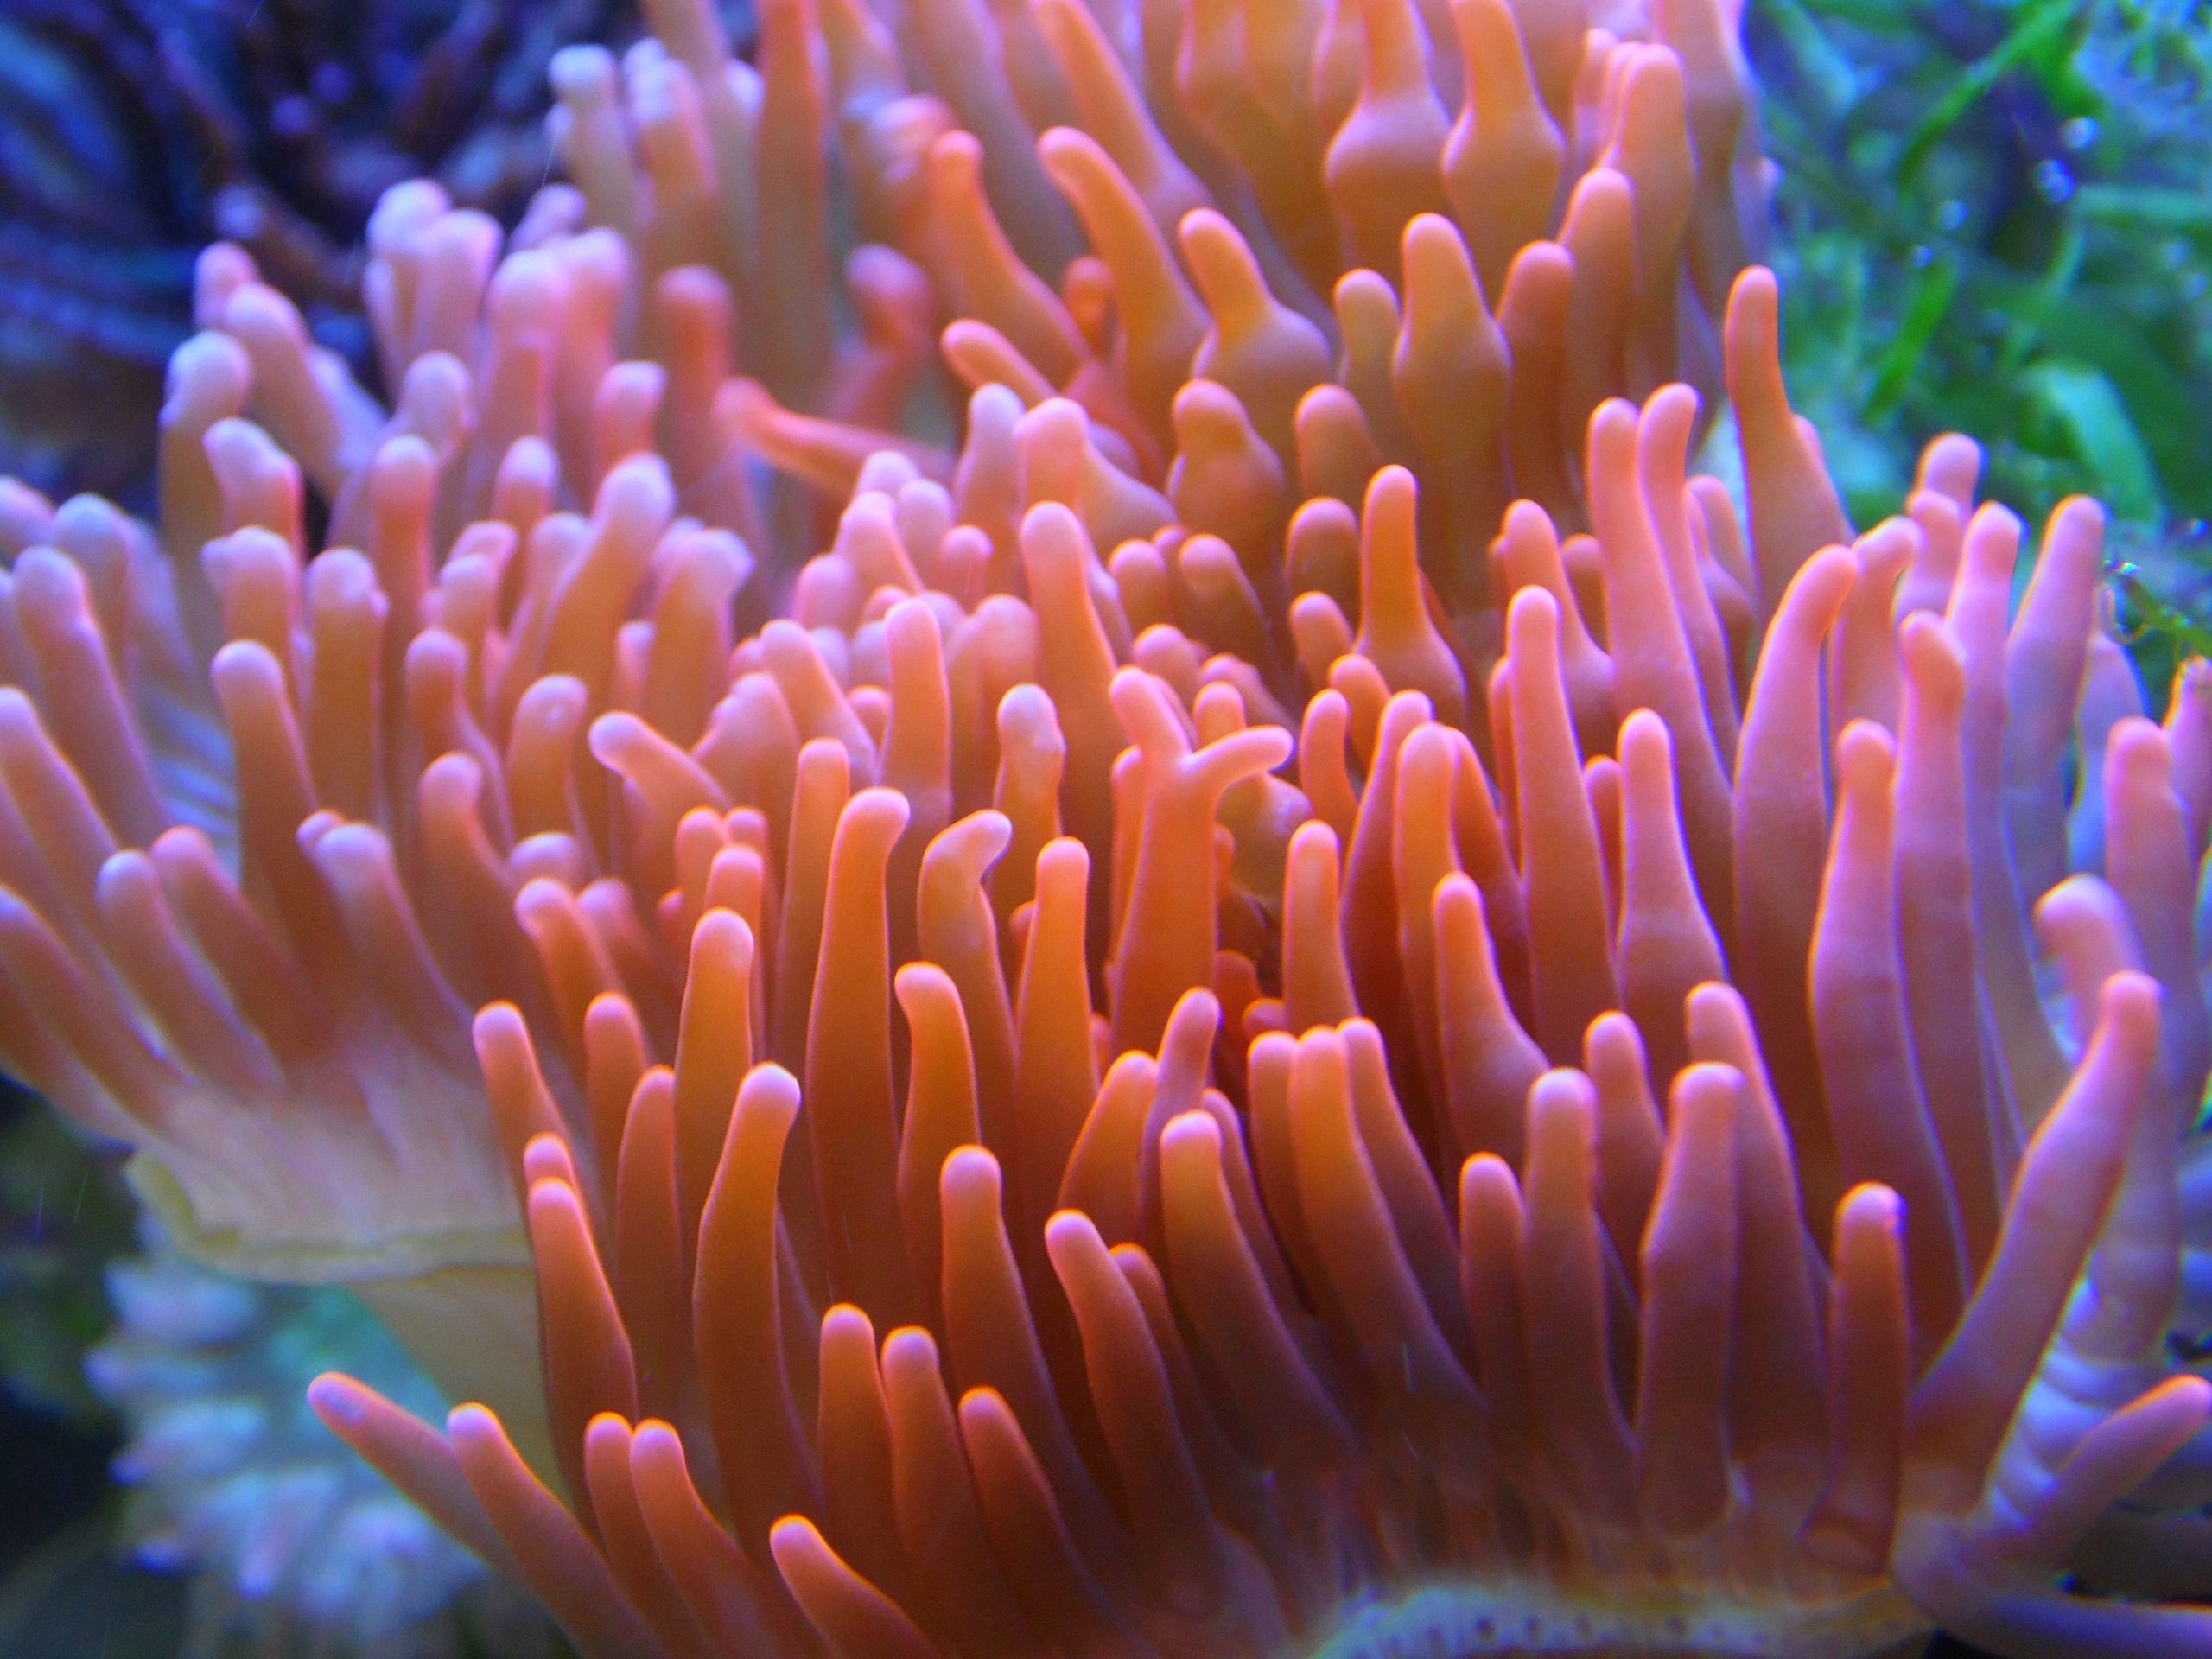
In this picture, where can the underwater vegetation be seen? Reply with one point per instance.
(1007, 846)
(1993, 220)
(60, 1222)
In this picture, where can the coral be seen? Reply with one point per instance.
(293, 1549)
(1301, 1001)
(287, 1545)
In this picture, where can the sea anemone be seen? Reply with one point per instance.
(1302, 1001)
(137, 131)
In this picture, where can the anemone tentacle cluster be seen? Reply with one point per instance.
(139, 131)
(1301, 1001)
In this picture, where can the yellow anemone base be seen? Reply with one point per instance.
(1505, 1619)
(464, 1305)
